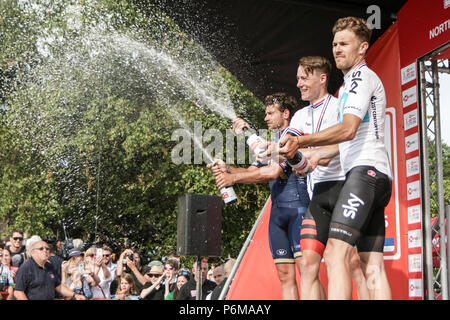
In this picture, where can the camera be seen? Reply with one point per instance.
(130, 256)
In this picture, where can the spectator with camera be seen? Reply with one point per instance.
(130, 262)
(93, 260)
(36, 278)
(75, 276)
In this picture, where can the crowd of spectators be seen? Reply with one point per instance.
(41, 270)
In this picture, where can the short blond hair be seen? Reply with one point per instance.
(358, 25)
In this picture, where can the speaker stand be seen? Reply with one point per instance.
(199, 280)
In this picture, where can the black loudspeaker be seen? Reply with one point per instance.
(199, 225)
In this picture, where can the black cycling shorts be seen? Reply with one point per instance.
(316, 224)
(358, 217)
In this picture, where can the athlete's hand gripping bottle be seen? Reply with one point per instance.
(228, 194)
(255, 142)
(299, 162)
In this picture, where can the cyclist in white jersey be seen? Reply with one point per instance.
(358, 217)
(313, 74)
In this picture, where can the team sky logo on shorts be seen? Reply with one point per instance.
(351, 208)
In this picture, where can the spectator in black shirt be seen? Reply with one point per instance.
(55, 259)
(227, 267)
(153, 290)
(189, 290)
(37, 279)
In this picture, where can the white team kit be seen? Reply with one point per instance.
(362, 95)
(325, 182)
(358, 217)
(358, 203)
(314, 118)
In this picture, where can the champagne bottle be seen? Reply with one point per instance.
(228, 194)
(299, 162)
(255, 142)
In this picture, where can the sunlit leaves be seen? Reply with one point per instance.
(92, 90)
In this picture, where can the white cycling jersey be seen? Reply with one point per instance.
(312, 119)
(362, 95)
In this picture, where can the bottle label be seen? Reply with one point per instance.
(228, 195)
(256, 143)
(299, 162)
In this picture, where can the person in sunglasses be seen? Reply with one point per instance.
(37, 280)
(171, 269)
(17, 248)
(153, 290)
(107, 259)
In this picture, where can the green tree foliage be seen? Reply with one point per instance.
(434, 175)
(92, 92)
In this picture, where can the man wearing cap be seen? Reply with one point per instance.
(36, 278)
(75, 252)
